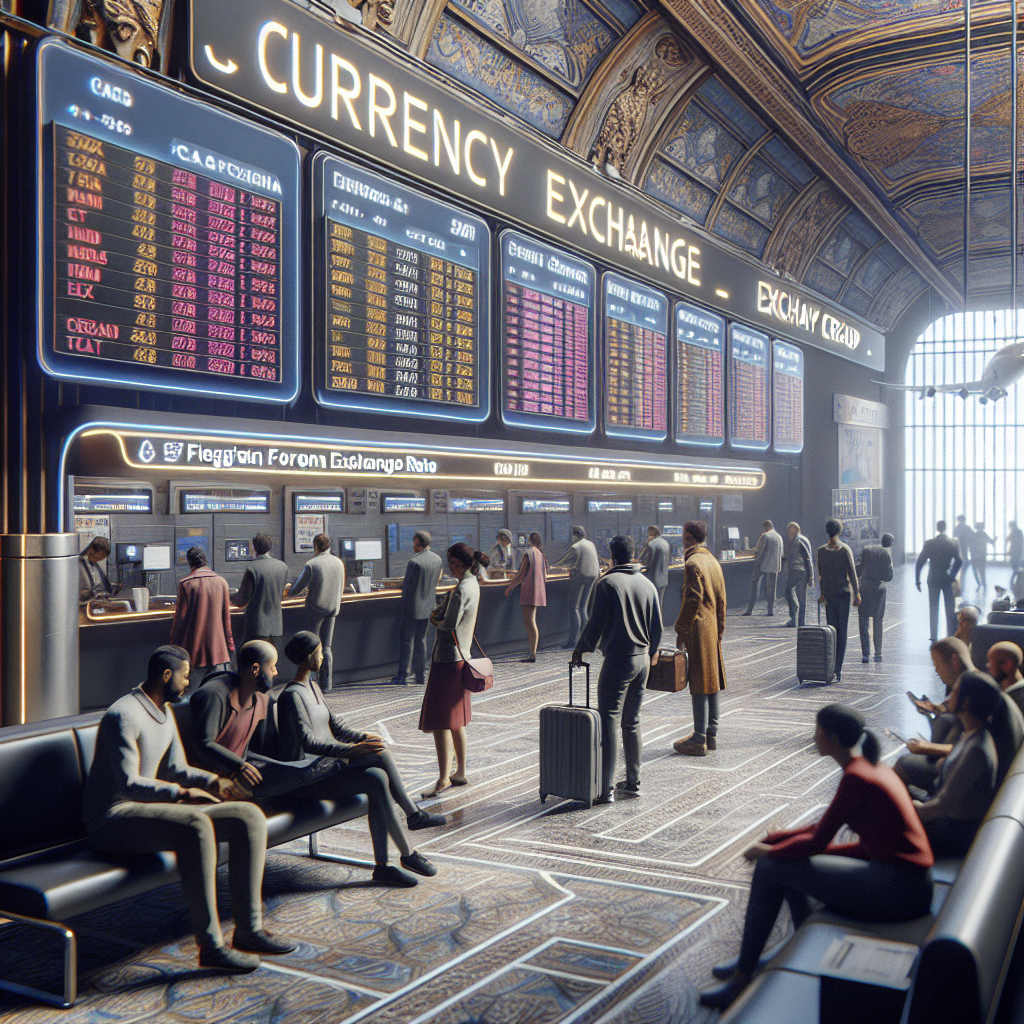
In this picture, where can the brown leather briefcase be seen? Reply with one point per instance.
(668, 671)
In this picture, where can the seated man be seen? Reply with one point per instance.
(966, 621)
(1004, 661)
(142, 797)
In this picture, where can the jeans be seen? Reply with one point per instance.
(864, 889)
(837, 614)
(192, 831)
(946, 590)
(771, 580)
(865, 613)
(796, 598)
(323, 626)
(620, 692)
(580, 588)
(979, 565)
(412, 649)
(705, 714)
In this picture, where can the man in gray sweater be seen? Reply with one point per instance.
(324, 576)
(143, 797)
(767, 563)
(584, 568)
(655, 558)
(419, 598)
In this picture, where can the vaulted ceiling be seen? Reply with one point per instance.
(824, 138)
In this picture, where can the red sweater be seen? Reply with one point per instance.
(873, 801)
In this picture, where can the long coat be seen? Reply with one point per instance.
(701, 620)
(202, 618)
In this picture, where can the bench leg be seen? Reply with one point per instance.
(70, 964)
(314, 851)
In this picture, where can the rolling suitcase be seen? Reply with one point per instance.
(570, 750)
(816, 653)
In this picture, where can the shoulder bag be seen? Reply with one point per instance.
(669, 670)
(477, 673)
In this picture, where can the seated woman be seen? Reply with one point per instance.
(306, 726)
(968, 774)
(884, 876)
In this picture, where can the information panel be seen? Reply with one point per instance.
(700, 381)
(405, 285)
(787, 398)
(168, 237)
(547, 337)
(749, 412)
(635, 332)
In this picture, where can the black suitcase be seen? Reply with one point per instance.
(816, 652)
(570, 750)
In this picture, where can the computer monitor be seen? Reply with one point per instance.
(367, 550)
(156, 557)
(730, 533)
(126, 554)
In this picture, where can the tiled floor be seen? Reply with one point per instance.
(538, 913)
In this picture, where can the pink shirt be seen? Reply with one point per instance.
(534, 588)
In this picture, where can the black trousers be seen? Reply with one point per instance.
(837, 614)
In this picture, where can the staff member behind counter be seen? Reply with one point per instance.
(92, 580)
(501, 555)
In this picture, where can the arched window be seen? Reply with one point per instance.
(963, 457)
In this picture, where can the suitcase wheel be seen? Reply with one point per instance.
(543, 797)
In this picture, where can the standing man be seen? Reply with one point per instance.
(799, 574)
(584, 568)
(142, 796)
(874, 570)
(837, 575)
(92, 580)
(1014, 547)
(501, 555)
(324, 575)
(419, 599)
(979, 553)
(767, 563)
(202, 616)
(699, 629)
(625, 622)
(963, 535)
(655, 558)
(261, 592)
(943, 557)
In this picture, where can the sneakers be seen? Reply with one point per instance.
(627, 788)
(392, 877)
(692, 746)
(423, 819)
(232, 961)
(262, 942)
(415, 861)
(606, 798)
(711, 742)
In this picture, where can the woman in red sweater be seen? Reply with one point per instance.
(885, 876)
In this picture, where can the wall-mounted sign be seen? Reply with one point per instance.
(168, 237)
(326, 501)
(113, 500)
(224, 501)
(275, 56)
(306, 526)
(859, 412)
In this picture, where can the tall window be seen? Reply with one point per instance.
(962, 457)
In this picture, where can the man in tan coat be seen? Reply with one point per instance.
(699, 628)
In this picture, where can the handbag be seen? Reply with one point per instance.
(669, 671)
(477, 673)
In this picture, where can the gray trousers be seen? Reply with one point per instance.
(946, 590)
(620, 692)
(705, 714)
(796, 598)
(580, 588)
(323, 626)
(192, 831)
(412, 649)
(876, 614)
(771, 582)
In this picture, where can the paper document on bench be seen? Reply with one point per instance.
(863, 958)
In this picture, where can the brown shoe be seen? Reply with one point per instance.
(691, 746)
(712, 743)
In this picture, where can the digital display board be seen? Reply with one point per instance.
(213, 501)
(114, 501)
(168, 237)
(547, 337)
(545, 505)
(405, 282)
(749, 398)
(700, 376)
(334, 502)
(635, 322)
(787, 398)
(403, 503)
(609, 506)
(477, 505)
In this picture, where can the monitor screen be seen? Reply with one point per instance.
(477, 504)
(545, 504)
(404, 503)
(237, 551)
(127, 553)
(700, 378)
(609, 506)
(366, 550)
(730, 533)
(156, 557)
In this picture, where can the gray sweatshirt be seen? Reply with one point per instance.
(139, 757)
(306, 726)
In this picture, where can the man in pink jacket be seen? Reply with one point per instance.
(202, 616)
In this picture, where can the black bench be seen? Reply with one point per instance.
(965, 944)
(48, 873)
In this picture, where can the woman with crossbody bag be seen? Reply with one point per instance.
(447, 706)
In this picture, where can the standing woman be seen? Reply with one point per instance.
(837, 574)
(884, 876)
(446, 707)
(532, 576)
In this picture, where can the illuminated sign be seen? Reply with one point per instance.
(224, 501)
(299, 67)
(168, 237)
(545, 505)
(334, 502)
(789, 307)
(700, 376)
(478, 505)
(113, 501)
(609, 506)
(749, 397)
(787, 398)
(403, 503)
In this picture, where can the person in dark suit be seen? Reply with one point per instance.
(261, 592)
(324, 576)
(419, 598)
(92, 580)
(942, 554)
(655, 558)
(767, 563)
(874, 570)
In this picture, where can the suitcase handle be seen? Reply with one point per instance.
(586, 667)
